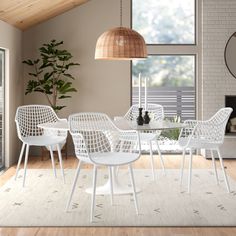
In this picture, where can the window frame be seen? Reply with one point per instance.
(3, 51)
(195, 75)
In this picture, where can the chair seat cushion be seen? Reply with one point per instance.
(43, 140)
(114, 158)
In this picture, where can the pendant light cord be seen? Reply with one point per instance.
(120, 13)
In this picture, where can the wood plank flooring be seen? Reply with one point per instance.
(171, 161)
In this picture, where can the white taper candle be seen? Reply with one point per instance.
(145, 93)
(139, 89)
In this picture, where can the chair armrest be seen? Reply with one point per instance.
(197, 124)
(118, 118)
(188, 129)
(129, 141)
(201, 130)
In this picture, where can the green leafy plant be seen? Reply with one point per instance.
(172, 134)
(51, 74)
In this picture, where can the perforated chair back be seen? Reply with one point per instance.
(30, 116)
(156, 112)
(210, 132)
(96, 133)
(219, 121)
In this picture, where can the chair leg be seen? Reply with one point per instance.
(117, 168)
(42, 153)
(134, 189)
(214, 167)
(25, 164)
(73, 185)
(139, 144)
(20, 159)
(111, 183)
(182, 167)
(152, 161)
(161, 158)
(190, 171)
(121, 149)
(53, 163)
(66, 149)
(94, 192)
(60, 161)
(223, 169)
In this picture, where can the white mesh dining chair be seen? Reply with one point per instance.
(97, 142)
(207, 135)
(156, 113)
(27, 120)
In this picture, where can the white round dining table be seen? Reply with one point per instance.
(122, 124)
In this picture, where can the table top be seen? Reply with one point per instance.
(121, 124)
(154, 125)
(58, 125)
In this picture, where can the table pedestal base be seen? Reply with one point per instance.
(118, 189)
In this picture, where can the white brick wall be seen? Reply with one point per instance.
(219, 22)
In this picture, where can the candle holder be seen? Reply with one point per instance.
(146, 118)
(140, 119)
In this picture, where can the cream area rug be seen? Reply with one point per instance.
(162, 203)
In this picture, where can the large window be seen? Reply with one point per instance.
(165, 21)
(171, 83)
(2, 75)
(169, 29)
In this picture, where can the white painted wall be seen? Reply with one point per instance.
(219, 22)
(11, 41)
(102, 85)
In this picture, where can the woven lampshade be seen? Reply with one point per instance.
(120, 43)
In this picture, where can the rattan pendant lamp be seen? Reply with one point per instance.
(120, 43)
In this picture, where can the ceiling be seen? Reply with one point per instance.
(26, 13)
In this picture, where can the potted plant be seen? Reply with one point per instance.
(51, 75)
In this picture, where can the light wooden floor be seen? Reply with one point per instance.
(171, 161)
